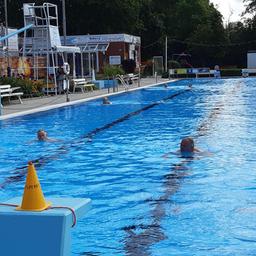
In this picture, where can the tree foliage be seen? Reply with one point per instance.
(194, 27)
(251, 6)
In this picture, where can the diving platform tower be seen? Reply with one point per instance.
(43, 40)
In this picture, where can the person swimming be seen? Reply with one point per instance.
(105, 101)
(187, 147)
(42, 136)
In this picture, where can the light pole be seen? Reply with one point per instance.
(65, 42)
(64, 21)
(6, 30)
(166, 54)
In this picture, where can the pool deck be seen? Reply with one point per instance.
(38, 104)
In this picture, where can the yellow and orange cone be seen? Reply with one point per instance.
(33, 197)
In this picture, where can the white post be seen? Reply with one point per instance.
(64, 22)
(166, 54)
(153, 69)
(64, 26)
(97, 62)
(93, 68)
(90, 64)
(139, 76)
(6, 32)
(93, 75)
(82, 64)
(74, 65)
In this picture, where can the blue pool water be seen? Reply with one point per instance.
(143, 203)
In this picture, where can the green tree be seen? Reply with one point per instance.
(250, 6)
(191, 26)
(241, 37)
(100, 16)
(208, 35)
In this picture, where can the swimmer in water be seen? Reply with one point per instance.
(187, 148)
(42, 136)
(105, 101)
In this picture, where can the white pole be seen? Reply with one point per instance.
(90, 64)
(64, 22)
(93, 75)
(74, 65)
(166, 53)
(6, 31)
(82, 64)
(64, 27)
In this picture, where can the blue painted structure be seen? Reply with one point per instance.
(16, 32)
(110, 83)
(39, 233)
(99, 84)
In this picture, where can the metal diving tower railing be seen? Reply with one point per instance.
(43, 41)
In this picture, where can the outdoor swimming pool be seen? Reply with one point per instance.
(142, 203)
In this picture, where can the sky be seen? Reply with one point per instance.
(226, 7)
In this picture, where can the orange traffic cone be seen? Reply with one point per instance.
(33, 197)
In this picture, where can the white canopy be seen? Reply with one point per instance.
(101, 47)
(68, 49)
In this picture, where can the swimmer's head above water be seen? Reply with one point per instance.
(187, 145)
(42, 135)
(105, 101)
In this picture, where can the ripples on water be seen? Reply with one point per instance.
(144, 204)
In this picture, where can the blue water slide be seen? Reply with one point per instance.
(16, 32)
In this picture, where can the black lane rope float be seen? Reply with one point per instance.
(20, 172)
(128, 116)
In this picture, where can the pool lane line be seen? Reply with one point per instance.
(128, 116)
(138, 243)
(20, 172)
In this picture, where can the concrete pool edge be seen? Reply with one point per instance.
(60, 105)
